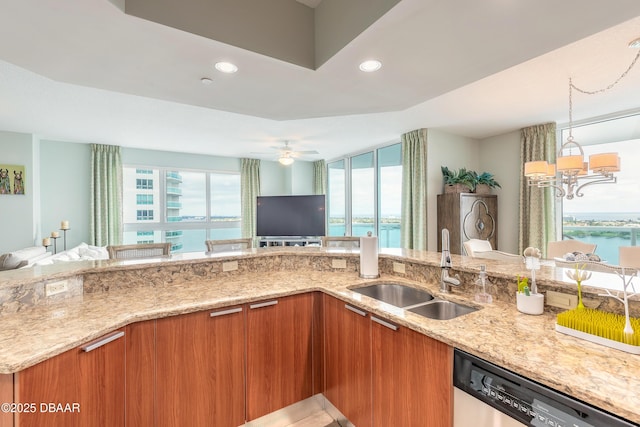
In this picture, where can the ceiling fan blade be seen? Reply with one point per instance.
(306, 152)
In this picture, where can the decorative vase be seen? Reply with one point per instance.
(483, 189)
(456, 188)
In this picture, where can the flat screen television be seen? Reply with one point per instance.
(291, 216)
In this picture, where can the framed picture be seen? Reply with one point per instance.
(12, 179)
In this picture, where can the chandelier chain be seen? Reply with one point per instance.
(623, 75)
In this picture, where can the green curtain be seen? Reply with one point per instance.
(414, 190)
(106, 195)
(537, 205)
(249, 191)
(319, 177)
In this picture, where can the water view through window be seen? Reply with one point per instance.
(608, 214)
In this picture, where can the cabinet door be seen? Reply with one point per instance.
(348, 361)
(200, 369)
(140, 374)
(81, 387)
(412, 378)
(279, 353)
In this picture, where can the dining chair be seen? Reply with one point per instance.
(341, 242)
(499, 256)
(226, 245)
(559, 248)
(472, 246)
(629, 256)
(142, 250)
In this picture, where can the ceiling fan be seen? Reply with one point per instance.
(287, 155)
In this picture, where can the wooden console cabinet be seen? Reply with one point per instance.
(467, 216)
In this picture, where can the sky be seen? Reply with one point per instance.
(620, 197)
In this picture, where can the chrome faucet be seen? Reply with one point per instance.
(446, 281)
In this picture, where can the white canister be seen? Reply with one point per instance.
(369, 257)
(530, 304)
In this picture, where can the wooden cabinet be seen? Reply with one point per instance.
(84, 386)
(140, 374)
(348, 360)
(279, 353)
(467, 216)
(412, 377)
(200, 369)
(380, 374)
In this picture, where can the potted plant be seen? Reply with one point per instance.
(484, 183)
(460, 181)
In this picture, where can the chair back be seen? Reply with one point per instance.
(472, 246)
(629, 256)
(561, 247)
(227, 245)
(341, 242)
(142, 250)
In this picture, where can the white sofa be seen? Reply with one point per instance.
(38, 255)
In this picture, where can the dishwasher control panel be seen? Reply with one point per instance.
(525, 400)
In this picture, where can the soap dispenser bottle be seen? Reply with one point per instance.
(483, 287)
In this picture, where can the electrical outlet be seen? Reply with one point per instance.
(339, 263)
(398, 267)
(561, 300)
(55, 288)
(230, 266)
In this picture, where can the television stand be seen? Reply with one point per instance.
(290, 241)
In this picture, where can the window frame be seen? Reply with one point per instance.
(347, 159)
(162, 225)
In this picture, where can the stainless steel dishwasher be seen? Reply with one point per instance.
(486, 395)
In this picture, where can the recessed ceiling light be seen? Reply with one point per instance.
(226, 67)
(370, 66)
(635, 44)
(206, 81)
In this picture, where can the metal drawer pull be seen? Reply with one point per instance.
(106, 340)
(225, 312)
(263, 304)
(384, 323)
(355, 310)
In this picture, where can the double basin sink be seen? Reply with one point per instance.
(414, 300)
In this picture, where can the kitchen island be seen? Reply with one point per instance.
(104, 296)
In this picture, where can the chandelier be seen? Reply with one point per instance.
(571, 173)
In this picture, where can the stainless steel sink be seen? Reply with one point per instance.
(442, 310)
(395, 294)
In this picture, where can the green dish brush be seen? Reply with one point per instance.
(602, 324)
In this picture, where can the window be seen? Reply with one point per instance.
(184, 207)
(364, 194)
(336, 198)
(144, 215)
(608, 214)
(144, 184)
(144, 199)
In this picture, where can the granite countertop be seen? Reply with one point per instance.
(527, 345)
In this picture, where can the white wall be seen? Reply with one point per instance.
(500, 155)
(18, 224)
(65, 183)
(449, 150)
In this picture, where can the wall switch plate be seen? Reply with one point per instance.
(230, 266)
(398, 267)
(339, 263)
(55, 288)
(562, 300)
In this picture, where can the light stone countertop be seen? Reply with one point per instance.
(527, 345)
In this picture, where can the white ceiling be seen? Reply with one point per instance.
(81, 70)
